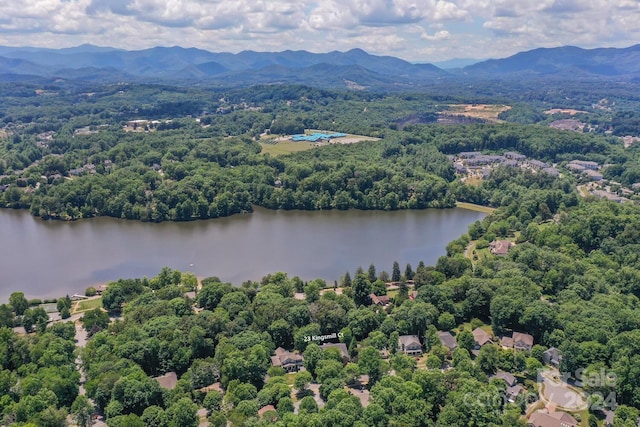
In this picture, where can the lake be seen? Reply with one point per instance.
(54, 258)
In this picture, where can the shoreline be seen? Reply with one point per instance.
(476, 208)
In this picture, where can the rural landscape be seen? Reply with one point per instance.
(528, 317)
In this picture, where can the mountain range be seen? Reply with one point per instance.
(354, 68)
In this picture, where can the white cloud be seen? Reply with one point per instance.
(420, 30)
(440, 35)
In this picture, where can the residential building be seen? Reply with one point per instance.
(507, 377)
(515, 156)
(537, 164)
(290, 362)
(554, 419)
(410, 345)
(552, 357)
(344, 351)
(593, 175)
(518, 341)
(522, 341)
(585, 164)
(500, 247)
(481, 338)
(448, 340)
(382, 300)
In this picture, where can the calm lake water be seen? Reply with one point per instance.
(51, 258)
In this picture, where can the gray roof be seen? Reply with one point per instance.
(340, 346)
(407, 340)
(506, 377)
(447, 340)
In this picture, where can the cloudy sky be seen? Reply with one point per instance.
(416, 30)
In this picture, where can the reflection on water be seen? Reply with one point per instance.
(51, 258)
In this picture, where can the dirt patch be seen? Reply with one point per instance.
(488, 112)
(569, 111)
(568, 124)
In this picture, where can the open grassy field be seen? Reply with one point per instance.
(88, 305)
(473, 207)
(487, 112)
(284, 147)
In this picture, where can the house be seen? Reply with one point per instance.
(410, 345)
(265, 409)
(500, 247)
(514, 392)
(287, 360)
(481, 337)
(593, 175)
(515, 156)
(551, 171)
(344, 351)
(506, 342)
(168, 380)
(518, 341)
(584, 164)
(575, 168)
(413, 295)
(508, 378)
(522, 341)
(101, 288)
(448, 340)
(554, 419)
(537, 164)
(382, 300)
(552, 357)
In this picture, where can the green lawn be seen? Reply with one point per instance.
(88, 305)
(285, 147)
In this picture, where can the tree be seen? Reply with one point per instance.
(395, 272)
(370, 361)
(302, 380)
(82, 411)
(488, 359)
(371, 273)
(183, 413)
(408, 272)
(308, 405)
(312, 291)
(35, 317)
(361, 290)
(446, 321)
(18, 302)
(280, 332)
(95, 320)
(63, 303)
(6, 316)
(346, 280)
(466, 340)
(212, 401)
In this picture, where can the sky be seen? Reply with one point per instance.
(415, 30)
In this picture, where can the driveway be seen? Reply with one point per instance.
(555, 392)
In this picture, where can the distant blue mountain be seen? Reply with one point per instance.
(354, 68)
(177, 63)
(564, 61)
(456, 63)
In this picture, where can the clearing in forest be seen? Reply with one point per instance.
(279, 145)
(489, 112)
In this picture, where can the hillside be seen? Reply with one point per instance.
(566, 61)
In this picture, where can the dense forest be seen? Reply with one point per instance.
(70, 155)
